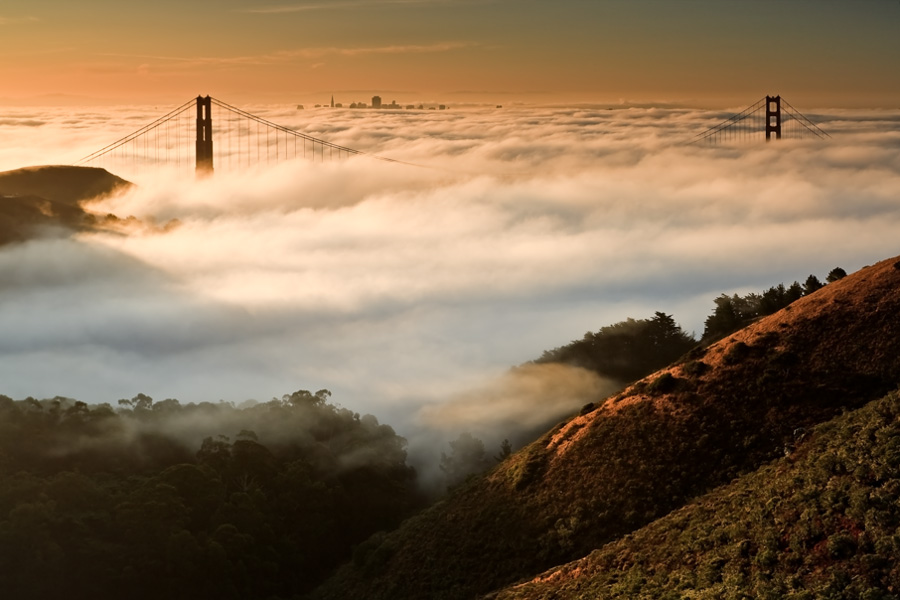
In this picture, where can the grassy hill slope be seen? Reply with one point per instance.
(819, 523)
(37, 198)
(679, 433)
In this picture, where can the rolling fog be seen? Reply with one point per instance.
(409, 292)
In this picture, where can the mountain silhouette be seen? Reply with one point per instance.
(49, 200)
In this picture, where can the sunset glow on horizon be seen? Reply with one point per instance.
(700, 52)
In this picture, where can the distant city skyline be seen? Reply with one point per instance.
(695, 52)
(377, 103)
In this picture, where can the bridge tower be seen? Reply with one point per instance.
(773, 117)
(204, 135)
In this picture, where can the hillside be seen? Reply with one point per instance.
(40, 198)
(820, 522)
(721, 412)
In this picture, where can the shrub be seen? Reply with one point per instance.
(695, 368)
(736, 353)
(663, 384)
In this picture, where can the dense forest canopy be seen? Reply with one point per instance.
(127, 502)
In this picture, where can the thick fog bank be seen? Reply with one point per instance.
(410, 291)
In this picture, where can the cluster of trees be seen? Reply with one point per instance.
(142, 501)
(627, 350)
(734, 312)
(467, 456)
(634, 348)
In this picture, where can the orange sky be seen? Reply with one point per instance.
(815, 52)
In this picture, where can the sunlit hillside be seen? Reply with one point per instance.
(721, 412)
(819, 522)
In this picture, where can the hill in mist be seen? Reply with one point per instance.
(720, 413)
(35, 200)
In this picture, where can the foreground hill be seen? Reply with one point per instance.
(819, 523)
(720, 413)
(39, 198)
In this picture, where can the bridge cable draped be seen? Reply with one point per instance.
(751, 123)
(169, 140)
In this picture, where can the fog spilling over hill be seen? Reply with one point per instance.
(721, 412)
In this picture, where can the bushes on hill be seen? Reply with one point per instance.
(820, 523)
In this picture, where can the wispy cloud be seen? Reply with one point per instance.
(21, 123)
(394, 49)
(197, 61)
(286, 56)
(16, 20)
(295, 8)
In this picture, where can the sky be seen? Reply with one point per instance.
(416, 292)
(709, 53)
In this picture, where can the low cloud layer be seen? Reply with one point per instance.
(524, 398)
(410, 291)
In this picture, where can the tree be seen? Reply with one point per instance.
(726, 317)
(812, 284)
(793, 293)
(773, 300)
(836, 274)
(466, 457)
(141, 402)
(505, 451)
(305, 398)
(216, 453)
(627, 350)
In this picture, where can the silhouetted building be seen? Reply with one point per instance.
(376, 101)
(332, 101)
